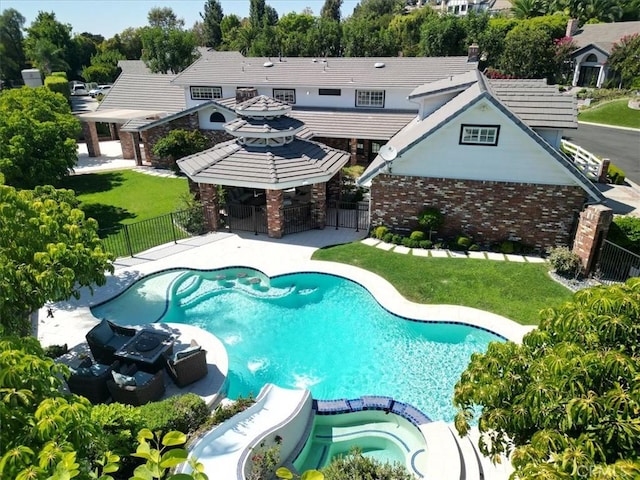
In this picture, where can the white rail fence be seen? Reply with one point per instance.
(590, 165)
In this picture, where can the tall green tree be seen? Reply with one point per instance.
(294, 32)
(405, 30)
(81, 49)
(49, 250)
(11, 46)
(528, 8)
(211, 18)
(566, 402)
(331, 10)
(47, 41)
(164, 18)
(104, 67)
(624, 60)
(168, 51)
(37, 137)
(128, 43)
(528, 53)
(256, 13)
(230, 26)
(443, 36)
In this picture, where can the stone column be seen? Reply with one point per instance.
(113, 132)
(353, 150)
(592, 230)
(126, 142)
(275, 216)
(209, 200)
(91, 138)
(604, 170)
(135, 137)
(319, 204)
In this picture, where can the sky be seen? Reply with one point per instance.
(108, 17)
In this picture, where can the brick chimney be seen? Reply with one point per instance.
(474, 53)
(244, 94)
(572, 27)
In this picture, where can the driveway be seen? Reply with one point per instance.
(621, 146)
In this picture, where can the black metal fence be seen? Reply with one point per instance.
(617, 264)
(348, 215)
(246, 218)
(127, 240)
(298, 218)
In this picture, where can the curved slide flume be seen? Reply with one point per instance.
(277, 411)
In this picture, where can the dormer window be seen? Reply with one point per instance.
(206, 93)
(479, 135)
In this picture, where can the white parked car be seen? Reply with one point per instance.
(99, 90)
(78, 89)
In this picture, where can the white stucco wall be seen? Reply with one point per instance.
(516, 158)
(205, 124)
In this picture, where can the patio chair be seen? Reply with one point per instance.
(90, 381)
(105, 338)
(188, 365)
(135, 387)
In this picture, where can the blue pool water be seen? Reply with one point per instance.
(309, 330)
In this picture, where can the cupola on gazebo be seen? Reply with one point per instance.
(270, 155)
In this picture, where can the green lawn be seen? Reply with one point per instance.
(515, 290)
(124, 197)
(615, 112)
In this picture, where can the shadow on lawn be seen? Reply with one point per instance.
(92, 182)
(107, 216)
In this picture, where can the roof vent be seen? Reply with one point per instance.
(379, 64)
(314, 60)
(267, 64)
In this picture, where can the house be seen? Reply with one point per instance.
(462, 8)
(353, 104)
(594, 42)
(486, 154)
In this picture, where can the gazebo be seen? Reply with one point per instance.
(270, 164)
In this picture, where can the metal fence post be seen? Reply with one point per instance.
(337, 214)
(173, 228)
(128, 240)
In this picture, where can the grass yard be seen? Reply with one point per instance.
(124, 197)
(615, 112)
(515, 290)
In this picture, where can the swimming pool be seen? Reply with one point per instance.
(308, 330)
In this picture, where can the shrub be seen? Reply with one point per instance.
(615, 175)
(417, 235)
(58, 85)
(426, 244)
(396, 239)
(226, 411)
(431, 219)
(185, 413)
(180, 143)
(380, 232)
(191, 217)
(409, 242)
(463, 242)
(625, 232)
(54, 351)
(474, 248)
(387, 237)
(507, 247)
(565, 262)
(355, 465)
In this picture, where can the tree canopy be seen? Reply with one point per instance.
(625, 59)
(566, 402)
(48, 251)
(37, 137)
(11, 46)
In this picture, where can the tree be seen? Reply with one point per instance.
(82, 48)
(256, 13)
(37, 137)
(164, 18)
(104, 67)
(211, 19)
(405, 30)
(528, 8)
(566, 402)
(48, 252)
(180, 143)
(11, 50)
(624, 59)
(230, 27)
(443, 36)
(528, 53)
(294, 32)
(168, 51)
(331, 10)
(47, 42)
(128, 43)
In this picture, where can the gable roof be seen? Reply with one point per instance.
(231, 68)
(418, 130)
(604, 35)
(151, 91)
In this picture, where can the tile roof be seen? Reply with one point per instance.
(604, 35)
(144, 92)
(262, 105)
(133, 66)
(451, 83)
(231, 163)
(536, 103)
(248, 126)
(230, 68)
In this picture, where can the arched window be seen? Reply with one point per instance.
(591, 58)
(217, 117)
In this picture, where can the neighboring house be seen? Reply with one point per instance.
(594, 42)
(463, 7)
(353, 104)
(486, 154)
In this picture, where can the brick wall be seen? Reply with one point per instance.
(537, 215)
(275, 217)
(592, 230)
(210, 203)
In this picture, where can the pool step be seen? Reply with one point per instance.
(470, 461)
(443, 459)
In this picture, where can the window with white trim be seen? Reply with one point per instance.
(284, 95)
(479, 134)
(370, 98)
(206, 93)
(375, 147)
